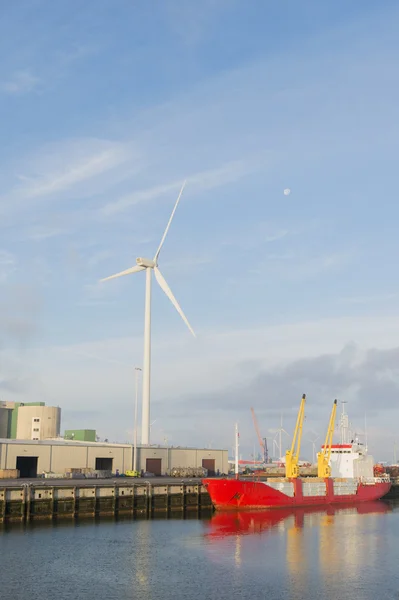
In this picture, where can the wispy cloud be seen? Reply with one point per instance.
(44, 233)
(21, 82)
(191, 21)
(77, 167)
(186, 265)
(369, 299)
(204, 180)
(97, 294)
(259, 234)
(74, 173)
(8, 264)
(98, 257)
(292, 267)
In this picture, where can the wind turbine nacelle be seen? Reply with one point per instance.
(145, 262)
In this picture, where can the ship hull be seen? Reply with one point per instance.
(236, 494)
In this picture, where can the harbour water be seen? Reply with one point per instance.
(350, 553)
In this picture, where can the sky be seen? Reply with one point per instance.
(107, 108)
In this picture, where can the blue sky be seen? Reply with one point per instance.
(106, 110)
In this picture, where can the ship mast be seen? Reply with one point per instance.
(344, 424)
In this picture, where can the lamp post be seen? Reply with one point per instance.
(136, 371)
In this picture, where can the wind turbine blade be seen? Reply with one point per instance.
(162, 283)
(168, 225)
(135, 269)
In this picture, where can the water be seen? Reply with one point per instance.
(350, 554)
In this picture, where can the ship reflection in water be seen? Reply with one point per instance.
(323, 547)
(259, 521)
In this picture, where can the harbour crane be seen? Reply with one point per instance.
(292, 456)
(323, 457)
(262, 441)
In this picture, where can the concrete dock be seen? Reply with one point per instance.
(27, 500)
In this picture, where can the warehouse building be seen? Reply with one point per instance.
(34, 457)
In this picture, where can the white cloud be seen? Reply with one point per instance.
(21, 82)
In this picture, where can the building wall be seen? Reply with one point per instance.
(81, 435)
(57, 456)
(189, 457)
(38, 422)
(10, 452)
(14, 406)
(182, 457)
(4, 422)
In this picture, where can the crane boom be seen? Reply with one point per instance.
(292, 456)
(257, 428)
(323, 457)
(262, 441)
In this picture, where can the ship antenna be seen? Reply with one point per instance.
(344, 424)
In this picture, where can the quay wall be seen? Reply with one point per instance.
(27, 502)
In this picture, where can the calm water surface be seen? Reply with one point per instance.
(350, 554)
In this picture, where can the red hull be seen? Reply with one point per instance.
(236, 494)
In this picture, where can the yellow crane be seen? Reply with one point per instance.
(323, 457)
(292, 456)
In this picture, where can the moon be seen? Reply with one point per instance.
(287, 192)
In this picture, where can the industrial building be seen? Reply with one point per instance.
(38, 422)
(29, 421)
(34, 457)
(81, 435)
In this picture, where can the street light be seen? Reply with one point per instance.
(136, 371)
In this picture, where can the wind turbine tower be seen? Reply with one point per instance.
(149, 265)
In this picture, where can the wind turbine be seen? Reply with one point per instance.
(148, 265)
(278, 435)
(314, 448)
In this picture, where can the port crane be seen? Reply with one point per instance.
(323, 457)
(292, 455)
(262, 441)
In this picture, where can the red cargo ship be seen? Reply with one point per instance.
(277, 493)
(345, 476)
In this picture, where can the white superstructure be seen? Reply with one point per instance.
(351, 460)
